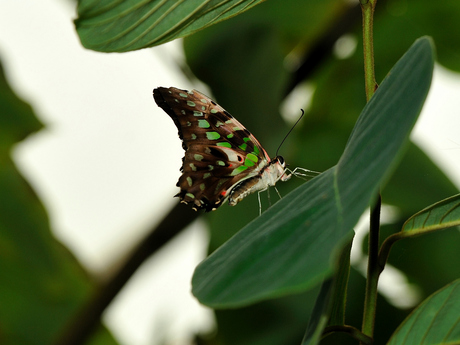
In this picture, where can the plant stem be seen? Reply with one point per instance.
(373, 269)
(367, 8)
(373, 272)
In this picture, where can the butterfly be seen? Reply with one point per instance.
(223, 161)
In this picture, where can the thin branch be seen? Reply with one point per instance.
(87, 319)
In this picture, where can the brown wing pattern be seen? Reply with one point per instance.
(219, 151)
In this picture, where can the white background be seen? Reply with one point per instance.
(98, 168)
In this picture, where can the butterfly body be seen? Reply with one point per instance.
(223, 161)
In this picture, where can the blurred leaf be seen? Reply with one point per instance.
(320, 315)
(120, 26)
(295, 239)
(399, 22)
(41, 283)
(429, 261)
(435, 321)
(441, 215)
(238, 85)
(17, 119)
(403, 190)
(273, 322)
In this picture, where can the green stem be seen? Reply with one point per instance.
(373, 272)
(367, 7)
(373, 268)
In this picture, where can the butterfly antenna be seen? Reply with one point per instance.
(303, 113)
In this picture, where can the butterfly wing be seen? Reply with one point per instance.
(220, 152)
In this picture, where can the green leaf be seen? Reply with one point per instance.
(291, 247)
(120, 26)
(441, 215)
(41, 283)
(17, 119)
(436, 321)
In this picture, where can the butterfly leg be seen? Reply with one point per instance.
(303, 173)
(260, 204)
(278, 192)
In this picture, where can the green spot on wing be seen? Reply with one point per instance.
(191, 104)
(220, 163)
(197, 157)
(246, 139)
(214, 111)
(224, 144)
(183, 95)
(189, 181)
(256, 150)
(238, 170)
(197, 113)
(202, 186)
(206, 175)
(243, 146)
(203, 100)
(252, 157)
(190, 195)
(230, 136)
(193, 136)
(211, 167)
(248, 163)
(203, 124)
(192, 166)
(212, 135)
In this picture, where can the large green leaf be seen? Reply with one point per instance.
(41, 283)
(124, 25)
(290, 247)
(435, 322)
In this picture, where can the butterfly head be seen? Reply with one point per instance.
(280, 165)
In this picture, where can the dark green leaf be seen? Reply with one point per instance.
(119, 26)
(290, 248)
(435, 322)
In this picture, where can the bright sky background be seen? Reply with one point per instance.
(108, 160)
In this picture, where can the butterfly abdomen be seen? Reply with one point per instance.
(266, 178)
